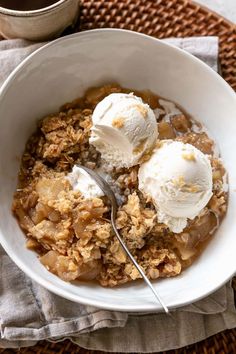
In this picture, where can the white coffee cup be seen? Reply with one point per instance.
(39, 25)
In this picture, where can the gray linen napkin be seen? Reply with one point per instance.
(29, 313)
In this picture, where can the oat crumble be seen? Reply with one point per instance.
(73, 235)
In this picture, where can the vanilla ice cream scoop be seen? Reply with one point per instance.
(124, 128)
(178, 179)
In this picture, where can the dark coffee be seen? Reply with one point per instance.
(26, 5)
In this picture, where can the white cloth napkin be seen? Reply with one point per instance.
(29, 313)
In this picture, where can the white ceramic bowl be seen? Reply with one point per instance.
(60, 72)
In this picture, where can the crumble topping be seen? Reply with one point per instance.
(189, 157)
(118, 122)
(73, 235)
(142, 110)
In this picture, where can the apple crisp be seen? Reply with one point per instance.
(72, 234)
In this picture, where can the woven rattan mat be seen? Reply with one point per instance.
(165, 18)
(159, 18)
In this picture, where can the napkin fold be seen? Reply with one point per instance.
(29, 313)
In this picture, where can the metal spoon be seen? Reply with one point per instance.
(111, 196)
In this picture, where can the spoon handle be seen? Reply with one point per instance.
(138, 266)
(111, 196)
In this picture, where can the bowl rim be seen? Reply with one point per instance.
(31, 13)
(148, 307)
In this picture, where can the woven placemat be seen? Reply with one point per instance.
(165, 18)
(161, 19)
